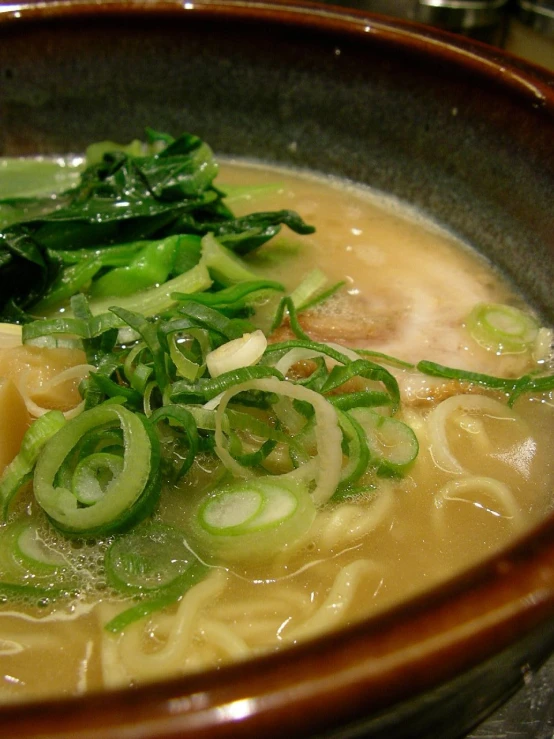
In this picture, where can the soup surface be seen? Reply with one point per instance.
(483, 474)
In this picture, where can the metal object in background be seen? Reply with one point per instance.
(531, 32)
(480, 19)
(476, 18)
(538, 15)
(524, 27)
(461, 15)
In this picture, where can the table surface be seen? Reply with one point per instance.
(529, 714)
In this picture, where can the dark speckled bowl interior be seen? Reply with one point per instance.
(462, 131)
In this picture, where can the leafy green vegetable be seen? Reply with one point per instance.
(133, 220)
(26, 179)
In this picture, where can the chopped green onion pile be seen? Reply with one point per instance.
(183, 374)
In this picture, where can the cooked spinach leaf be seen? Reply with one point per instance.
(127, 204)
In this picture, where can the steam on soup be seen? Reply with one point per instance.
(232, 483)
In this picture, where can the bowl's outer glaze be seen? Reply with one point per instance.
(464, 132)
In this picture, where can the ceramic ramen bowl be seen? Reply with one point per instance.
(461, 131)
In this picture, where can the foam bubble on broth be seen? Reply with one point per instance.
(410, 286)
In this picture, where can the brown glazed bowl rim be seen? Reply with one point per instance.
(373, 665)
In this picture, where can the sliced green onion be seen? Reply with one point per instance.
(325, 467)
(33, 594)
(529, 384)
(393, 446)
(27, 561)
(111, 389)
(386, 358)
(214, 320)
(358, 450)
(62, 325)
(137, 372)
(187, 345)
(236, 297)
(495, 383)
(206, 389)
(255, 458)
(314, 346)
(502, 328)
(161, 599)
(514, 386)
(286, 304)
(93, 474)
(148, 558)
(257, 518)
(147, 331)
(33, 554)
(126, 498)
(360, 399)
(369, 370)
(185, 367)
(179, 416)
(318, 377)
(346, 492)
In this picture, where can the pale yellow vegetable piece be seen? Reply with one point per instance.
(34, 370)
(14, 421)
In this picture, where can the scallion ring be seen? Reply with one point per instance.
(258, 517)
(325, 467)
(123, 497)
(503, 329)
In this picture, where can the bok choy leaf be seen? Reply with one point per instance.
(146, 194)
